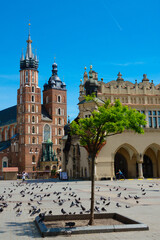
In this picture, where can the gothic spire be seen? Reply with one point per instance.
(29, 47)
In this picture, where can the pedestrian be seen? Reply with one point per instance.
(120, 174)
(23, 176)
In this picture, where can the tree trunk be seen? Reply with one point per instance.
(91, 221)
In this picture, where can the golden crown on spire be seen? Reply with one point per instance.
(90, 66)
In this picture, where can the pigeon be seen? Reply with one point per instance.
(62, 211)
(103, 209)
(70, 224)
(42, 217)
(118, 205)
(107, 204)
(127, 206)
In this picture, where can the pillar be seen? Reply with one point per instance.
(140, 168)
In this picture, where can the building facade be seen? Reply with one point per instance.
(136, 155)
(30, 132)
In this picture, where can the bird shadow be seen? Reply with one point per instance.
(24, 229)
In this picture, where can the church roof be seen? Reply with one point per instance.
(45, 115)
(8, 116)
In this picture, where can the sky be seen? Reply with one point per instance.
(111, 35)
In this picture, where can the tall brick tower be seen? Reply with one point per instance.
(55, 103)
(29, 111)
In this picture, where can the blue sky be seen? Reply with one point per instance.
(112, 35)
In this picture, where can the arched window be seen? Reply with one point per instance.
(33, 129)
(32, 88)
(32, 98)
(59, 111)
(59, 131)
(47, 99)
(59, 98)
(33, 159)
(32, 76)
(47, 132)
(26, 76)
(33, 108)
(59, 121)
(33, 140)
(34, 169)
(33, 119)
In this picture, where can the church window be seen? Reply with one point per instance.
(33, 129)
(37, 129)
(59, 131)
(33, 140)
(47, 132)
(59, 121)
(36, 150)
(59, 111)
(33, 108)
(32, 98)
(47, 99)
(32, 76)
(59, 99)
(28, 129)
(33, 159)
(33, 119)
(29, 118)
(33, 89)
(26, 76)
(28, 108)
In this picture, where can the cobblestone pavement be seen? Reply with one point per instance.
(15, 224)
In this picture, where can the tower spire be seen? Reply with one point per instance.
(29, 47)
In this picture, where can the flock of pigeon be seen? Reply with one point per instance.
(37, 195)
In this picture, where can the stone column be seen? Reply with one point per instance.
(112, 166)
(140, 168)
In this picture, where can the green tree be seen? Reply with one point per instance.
(107, 120)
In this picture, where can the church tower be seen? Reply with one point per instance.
(55, 103)
(29, 111)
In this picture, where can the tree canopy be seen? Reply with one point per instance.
(106, 121)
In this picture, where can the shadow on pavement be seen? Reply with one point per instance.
(28, 229)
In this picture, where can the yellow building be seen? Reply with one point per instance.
(136, 155)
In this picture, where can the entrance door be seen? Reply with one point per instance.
(120, 163)
(147, 167)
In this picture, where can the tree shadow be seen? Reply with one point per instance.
(24, 229)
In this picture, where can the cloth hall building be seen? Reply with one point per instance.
(136, 155)
(30, 132)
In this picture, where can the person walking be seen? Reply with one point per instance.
(120, 175)
(23, 176)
